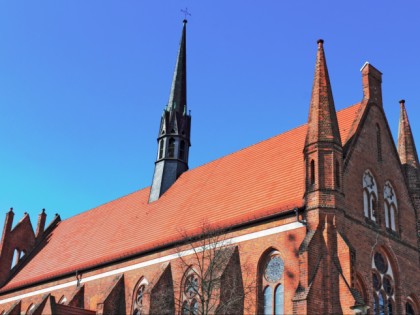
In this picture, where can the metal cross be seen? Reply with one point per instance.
(186, 13)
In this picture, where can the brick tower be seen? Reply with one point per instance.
(174, 132)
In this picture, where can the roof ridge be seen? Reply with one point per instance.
(267, 139)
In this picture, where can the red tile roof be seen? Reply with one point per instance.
(257, 181)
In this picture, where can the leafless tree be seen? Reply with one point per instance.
(213, 281)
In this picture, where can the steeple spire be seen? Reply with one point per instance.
(174, 132)
(178, 96)
(322, 121)
(406, 147)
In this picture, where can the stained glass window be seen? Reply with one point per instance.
(274, 269)
(376, 281)
(409, 309)
(185, 308)
(268, 301)
(370, 195)
(191, 286)
(381, 305)
(272, 286)
(387, 285)
(194, 307)
(140, 293)
(390, 206)
(138, 296)
(380, 263)
(390, 307)
(383, 285)
(279, 300)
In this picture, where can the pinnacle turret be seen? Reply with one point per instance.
(322, 121)
(323, 152)
(406, 147)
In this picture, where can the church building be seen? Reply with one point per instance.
(321, 219)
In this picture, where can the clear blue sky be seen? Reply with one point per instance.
(83, 84)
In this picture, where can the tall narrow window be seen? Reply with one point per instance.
(268, 301)
(410, 309)
(337, 174)
(171, 148)
(182, 150)
(279, 299)
(312, 172)
(271, 269)
(161, 145)
(378, 143)
(390, 206)
(381, 308)
(370, 196)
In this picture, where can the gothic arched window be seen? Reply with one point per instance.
(390, 206)
(190, 291)
(370, 196)
(272, 284)
(171, 148)
(383, 285)
(138, 297)
(337, 174)
(312, 179)
(410, 307)
(161, 146)
(182, 150)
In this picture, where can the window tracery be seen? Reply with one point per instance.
(272, 284)
(190, 293)
(383, 285)
(138, 297)
(390, 206)
(370, 196)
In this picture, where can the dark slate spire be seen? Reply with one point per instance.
(406, 147)
(178, 96)
(174, 132)
(322, 121)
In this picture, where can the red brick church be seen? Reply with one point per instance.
(321, 219)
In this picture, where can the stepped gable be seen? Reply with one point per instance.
(255, 182)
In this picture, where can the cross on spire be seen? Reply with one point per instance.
(186, 13)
